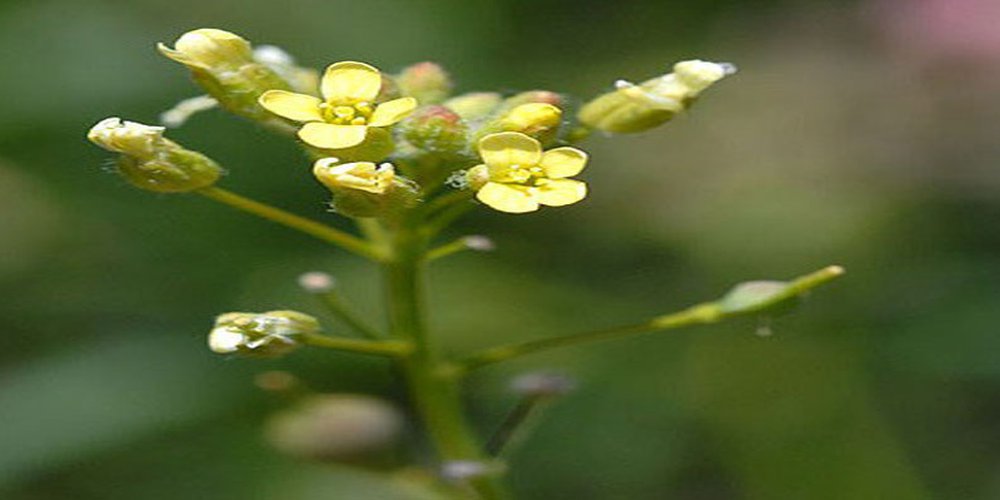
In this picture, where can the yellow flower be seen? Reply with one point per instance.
(342, 118)
(517, 176)
(363, 175)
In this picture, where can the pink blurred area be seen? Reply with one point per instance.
(942, 30)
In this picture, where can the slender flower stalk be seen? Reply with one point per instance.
(288, 219)
(708, 312)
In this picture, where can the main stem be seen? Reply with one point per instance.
(437, 398)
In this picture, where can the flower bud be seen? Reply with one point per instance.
(364, 189)
(224, 65)
(435, 129)
(340, 428)
(535, 119)
(268, 334)
(534, 113)
(634, 108)
(475, 105)
(426, 81)
(152, 162)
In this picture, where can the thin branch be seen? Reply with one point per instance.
(326, 233)
(729, 306)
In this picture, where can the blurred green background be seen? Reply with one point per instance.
(858, 133)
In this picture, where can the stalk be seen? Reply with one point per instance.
(436, 398)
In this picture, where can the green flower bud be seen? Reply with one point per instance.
(364, 189)
(635, 108)
(224, 65)
(436, 129)
(337, 428)
(152, 162)
(426, 81)
(268, 334)
(475, 105)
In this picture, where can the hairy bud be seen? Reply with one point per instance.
(364, 189)
(152, 162)
(436, 129)
(475, 105)
(224, 65)
(426, 81)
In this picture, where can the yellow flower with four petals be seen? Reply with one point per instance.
(518, 177)
(342, 117)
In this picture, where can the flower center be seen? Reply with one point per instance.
(524, 174)
(348, 113)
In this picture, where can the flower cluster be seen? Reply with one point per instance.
(383, 143)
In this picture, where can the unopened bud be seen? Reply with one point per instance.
(272, 333)
(336, 428)
(426, 81)
(435, 129)
(210, 49)
(223, 64)
(364, 189)
(536, 119)
(475, 105)
(152, 162)
(634, 108)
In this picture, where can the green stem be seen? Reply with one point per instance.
(288, 219)
(436, 398)
(708, 312)
(459, 245)
(392, 348)
(492, 355)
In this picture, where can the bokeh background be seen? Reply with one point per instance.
(859, 133)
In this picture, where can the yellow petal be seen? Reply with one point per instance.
(507, 198)
(391, 112)
(501, 151)
(563, 162)
(330, 136)
(561, 192)
(351, 80)
(298, 107)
